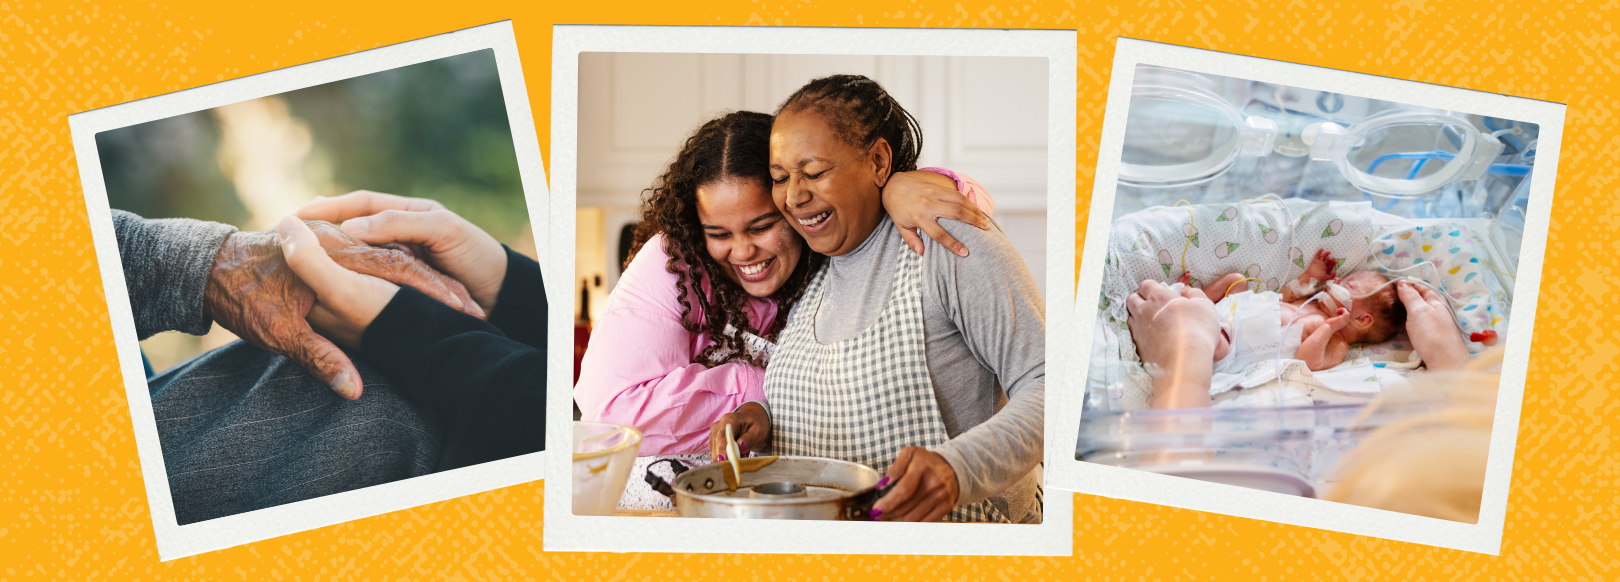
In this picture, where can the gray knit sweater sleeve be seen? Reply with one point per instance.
(166, 265)
(993, 302)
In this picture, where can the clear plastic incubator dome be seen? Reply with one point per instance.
(1202, 153)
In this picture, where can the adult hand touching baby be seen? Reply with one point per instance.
(1175, 335)
(440, 237)
(1429, 324)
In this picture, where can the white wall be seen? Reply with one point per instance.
(981, 116)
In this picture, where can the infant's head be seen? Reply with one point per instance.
(1376, 317)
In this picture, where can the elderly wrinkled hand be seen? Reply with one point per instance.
(1176, 337)
(255, 294)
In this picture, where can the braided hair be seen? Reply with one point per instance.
(734, 146)
(860, 111)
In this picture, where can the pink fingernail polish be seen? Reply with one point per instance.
(884, 482)
(721, 458)
(876, 513)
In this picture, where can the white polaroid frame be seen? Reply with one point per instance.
(1066, 406)
(565, 531)
(176, 541)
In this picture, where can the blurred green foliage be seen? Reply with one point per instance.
(432, 130)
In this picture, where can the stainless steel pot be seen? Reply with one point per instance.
(789, 488)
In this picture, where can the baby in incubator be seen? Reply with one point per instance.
(1261, 326)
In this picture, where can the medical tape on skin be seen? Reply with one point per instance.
(1338, 296)
(1327, 301)
(1303, 289)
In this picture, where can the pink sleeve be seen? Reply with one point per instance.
(638, 370)
(972, 189)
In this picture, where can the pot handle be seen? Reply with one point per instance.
(658, 483)
(860, 505)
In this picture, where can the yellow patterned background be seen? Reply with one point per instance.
(72, 500)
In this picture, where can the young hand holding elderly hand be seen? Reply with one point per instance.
(349, 300)
(252, 292)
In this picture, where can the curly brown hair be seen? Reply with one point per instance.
(734, 146)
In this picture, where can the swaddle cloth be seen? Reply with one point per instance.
(1253, 322)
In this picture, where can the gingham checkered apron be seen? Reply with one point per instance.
(864, 398)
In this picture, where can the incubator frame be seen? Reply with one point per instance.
(1066, 403)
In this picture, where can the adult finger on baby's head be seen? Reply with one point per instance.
(1404, 291)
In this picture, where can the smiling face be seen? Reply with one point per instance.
(745, 234)
(830, 190)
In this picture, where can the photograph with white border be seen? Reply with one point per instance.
(675, 147)
(1308, 296)
(325, 286)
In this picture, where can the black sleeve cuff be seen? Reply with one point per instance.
(489, 389)
(520, 309)
(411, 324)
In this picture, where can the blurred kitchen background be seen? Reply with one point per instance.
(433, 130)
(981, 116)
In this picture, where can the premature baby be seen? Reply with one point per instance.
(1258, 326)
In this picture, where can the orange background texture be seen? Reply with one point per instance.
(72, 500)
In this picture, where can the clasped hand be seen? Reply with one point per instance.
(311, 283)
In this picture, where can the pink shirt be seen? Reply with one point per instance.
(638, 368)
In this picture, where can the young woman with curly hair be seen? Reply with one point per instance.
(714, 271)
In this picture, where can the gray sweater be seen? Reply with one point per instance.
(986, 347)
(166, 265)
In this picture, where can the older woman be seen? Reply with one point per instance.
(930, 368)
(714, 270)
